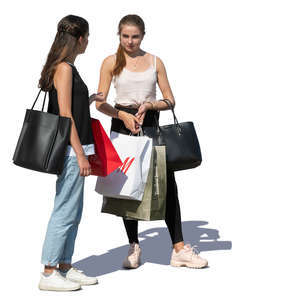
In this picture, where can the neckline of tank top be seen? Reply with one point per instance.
(70, 64)
(151, 67)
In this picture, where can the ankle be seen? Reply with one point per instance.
(134, 243)
(64, 267)
(178, 246)
(49, 269)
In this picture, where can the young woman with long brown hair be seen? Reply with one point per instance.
(135, 73)
(68, 97)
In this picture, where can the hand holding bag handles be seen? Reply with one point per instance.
(43, 141)
(181, 141)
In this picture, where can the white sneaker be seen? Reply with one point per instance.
(78, 276)
(56, 282)
(133, 260)
(188, 257)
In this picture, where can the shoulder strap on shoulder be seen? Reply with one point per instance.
(70, 64)
(154, 62)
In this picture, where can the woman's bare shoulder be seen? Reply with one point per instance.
(159, 60)
(108, 64)
(63, 67)
(109, 60)
(63, 70)
(159, 64)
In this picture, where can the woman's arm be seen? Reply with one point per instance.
(130, 121)
(63, 84)
(104, 86)
(163, 83)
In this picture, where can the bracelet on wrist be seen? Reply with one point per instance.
(151, 105)
(118, 113)
(163, 100)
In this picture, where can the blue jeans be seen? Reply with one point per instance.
(63, 224)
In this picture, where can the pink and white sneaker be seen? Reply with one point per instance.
(188, 257)
(133, 260)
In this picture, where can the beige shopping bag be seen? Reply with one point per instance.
(153, 204)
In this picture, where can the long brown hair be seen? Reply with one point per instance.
(69, 30)
(120, 59)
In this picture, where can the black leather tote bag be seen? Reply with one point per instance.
(43, 141)
(181, 141)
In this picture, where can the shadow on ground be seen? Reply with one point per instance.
(156, 248)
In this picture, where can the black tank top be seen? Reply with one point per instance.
(80, 107)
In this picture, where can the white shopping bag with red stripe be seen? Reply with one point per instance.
(129, 180)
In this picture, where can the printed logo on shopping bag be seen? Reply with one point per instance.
(126, 164)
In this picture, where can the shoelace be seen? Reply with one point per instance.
(193, 250)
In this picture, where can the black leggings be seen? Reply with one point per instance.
(173, 217)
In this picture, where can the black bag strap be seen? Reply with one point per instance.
(177, 125)
(172, 109)
(37, 99)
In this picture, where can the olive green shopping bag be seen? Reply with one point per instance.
(153, 205)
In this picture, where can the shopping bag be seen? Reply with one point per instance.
(129, 180)
(106, 159)
(153, 205)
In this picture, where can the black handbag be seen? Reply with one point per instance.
(181, 141)
(43, 141)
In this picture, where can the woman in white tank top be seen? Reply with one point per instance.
(134, 88)
(134, 74)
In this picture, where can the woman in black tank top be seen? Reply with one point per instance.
(68, 96)
(79, 107)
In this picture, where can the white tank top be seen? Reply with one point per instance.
(135, 88)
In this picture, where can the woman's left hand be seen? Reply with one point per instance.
(142, 111)
(96, 97)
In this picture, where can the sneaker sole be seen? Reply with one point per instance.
(47, 288)
(84, 283)
(128, 266)
(188, 265)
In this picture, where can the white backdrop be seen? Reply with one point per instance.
(234, 70)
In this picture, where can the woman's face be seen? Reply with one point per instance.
(83, 42)
(131, 38)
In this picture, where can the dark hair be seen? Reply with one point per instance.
(127, 20)
(69, 30)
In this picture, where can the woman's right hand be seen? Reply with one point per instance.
(84, 165)
(131, 122)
